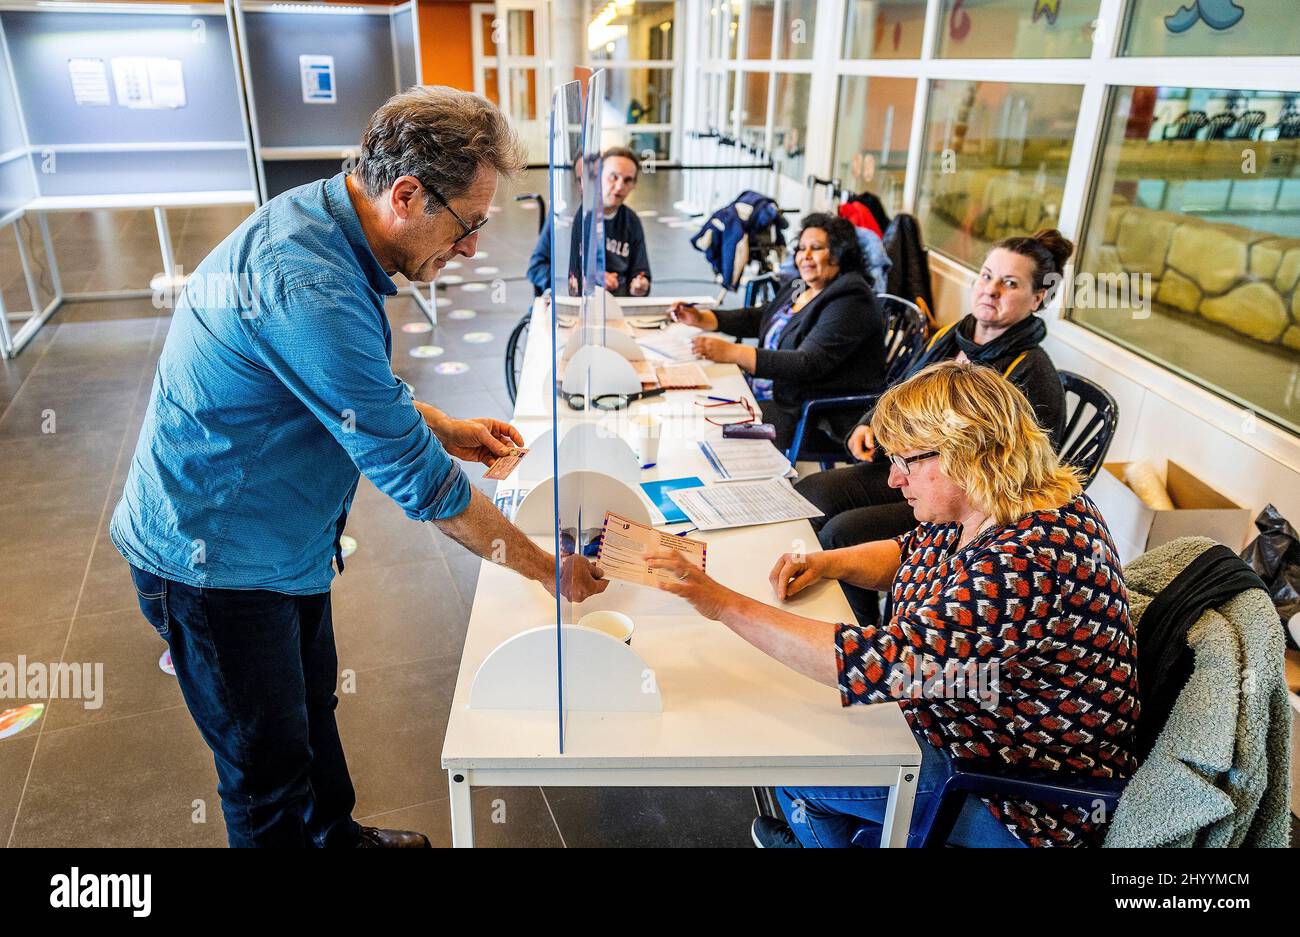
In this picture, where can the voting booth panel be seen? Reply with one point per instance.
(315, 74)
(118, 106)
(128, 102)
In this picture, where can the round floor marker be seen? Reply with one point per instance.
(478, 338)
(648, 213)
(347, 545)
(165, 664)
(417, 328)
(529, 205)
(442, 302)
(13, 721)
(452, 367)
(451, 279)
(480, 255)
(452, 265)
(492, 210)
(486, 271)
(461, 314)
(426, 351)
(474, 287)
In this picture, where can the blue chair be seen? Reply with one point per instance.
(906, 331)
(1091, 418)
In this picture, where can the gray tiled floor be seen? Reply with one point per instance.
(135, 771)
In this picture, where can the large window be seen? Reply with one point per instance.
(790, 124)
(753, 107)
(1158, 27)
(871, 136)
(758, 31)
(636, 41)
(1017, 29)
(1193, 239)
(994, 162)
(884, 29)
(798, 23)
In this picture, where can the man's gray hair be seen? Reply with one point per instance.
(439, 135)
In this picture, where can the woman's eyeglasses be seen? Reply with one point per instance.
(904, 463)
(710, 402)
(607, 401)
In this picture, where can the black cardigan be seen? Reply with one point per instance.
(834, 346)
(1040, 382)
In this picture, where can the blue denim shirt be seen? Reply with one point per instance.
(274, 388)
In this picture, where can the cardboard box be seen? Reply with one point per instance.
(1199, 511)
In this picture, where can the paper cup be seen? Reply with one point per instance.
(648, 429)
(615, 624)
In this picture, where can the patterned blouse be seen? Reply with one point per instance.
(1016, 649)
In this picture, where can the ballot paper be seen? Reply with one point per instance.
(745, 459)
(623, 546)
(675, 348)
(744, 504)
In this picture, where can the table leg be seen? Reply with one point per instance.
(898, 811)
(462, 818)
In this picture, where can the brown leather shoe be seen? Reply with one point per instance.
(375, 838)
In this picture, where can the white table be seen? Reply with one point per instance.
(732, 716)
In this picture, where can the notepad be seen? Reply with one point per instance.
(658, 492)
(683, 377)
(745, 459)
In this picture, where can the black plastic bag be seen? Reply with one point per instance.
(1275, 556)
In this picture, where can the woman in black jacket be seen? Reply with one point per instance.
(1000, 332)
(821, 336)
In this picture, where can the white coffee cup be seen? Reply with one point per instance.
(648, 429)
(615, 624)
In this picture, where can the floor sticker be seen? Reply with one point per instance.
(426, 351)
(347, 545)
(13, 721)
(461, 314)
(487, 271)
(165, 663)
(478, 338)
(417, 328)
(474, 287)
(452, 367)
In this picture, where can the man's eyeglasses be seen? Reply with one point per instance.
(904, 463)
(469, 229)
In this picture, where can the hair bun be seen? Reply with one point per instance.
(1056, 244)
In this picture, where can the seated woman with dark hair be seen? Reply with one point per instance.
(1008, 640)
(1001, 332)
(821, 336)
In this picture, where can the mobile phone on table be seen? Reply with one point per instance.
(749, 431)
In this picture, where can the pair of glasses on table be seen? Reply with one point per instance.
(608, 401)
(709, 403)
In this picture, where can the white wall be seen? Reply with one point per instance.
(1163, 416)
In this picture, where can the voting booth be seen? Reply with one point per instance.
(112, 106)
(315, 73)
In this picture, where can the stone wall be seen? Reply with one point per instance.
(1235, 276)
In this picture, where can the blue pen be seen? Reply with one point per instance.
(720, 399)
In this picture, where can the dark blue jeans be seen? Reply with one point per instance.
(829, 816)
(258, 670)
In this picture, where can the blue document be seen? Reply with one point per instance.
(657, 492)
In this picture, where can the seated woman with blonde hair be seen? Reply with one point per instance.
(1008, 636)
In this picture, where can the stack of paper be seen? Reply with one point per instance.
(743, 505)
(675, 348)
(745, 459)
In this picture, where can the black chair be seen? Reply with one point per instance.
(1216, 128)
(1185, 126)
(906, 331)
(761, 289)
(1247, 125)
(1091, 417)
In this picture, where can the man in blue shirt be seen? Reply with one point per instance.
(274, 388)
